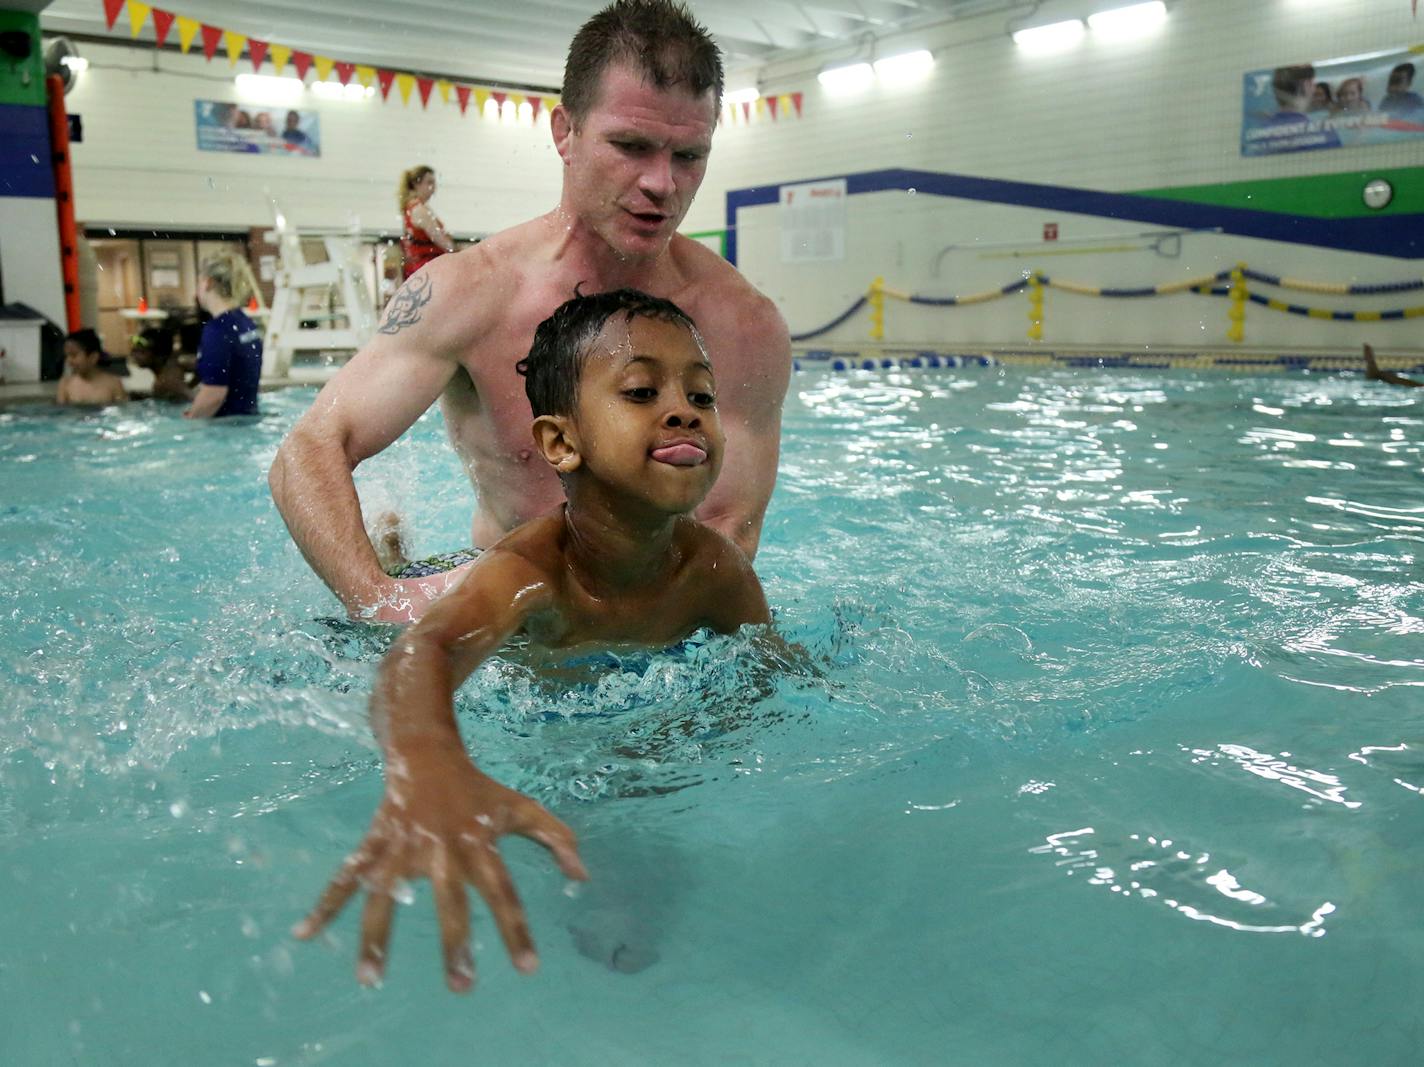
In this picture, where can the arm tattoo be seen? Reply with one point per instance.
(407, 304)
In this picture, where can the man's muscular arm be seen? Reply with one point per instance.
(369, 403)
(751, 415)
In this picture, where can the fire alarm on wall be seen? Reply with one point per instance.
(1050, 231)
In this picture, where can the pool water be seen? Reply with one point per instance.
(1113, 751)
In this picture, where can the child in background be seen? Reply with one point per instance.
(84, 383)
(625, 410)
(230, 352)
(153, 351)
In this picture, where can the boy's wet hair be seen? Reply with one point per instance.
(563, 341)
(659, 38)
(86, 339)
(156, 344)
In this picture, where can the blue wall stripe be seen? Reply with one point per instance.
(25, 166)
(1401, 236)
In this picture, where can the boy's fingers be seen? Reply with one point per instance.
(453, 909)
(535, 823)
(375, 936)
(338, 891)
(491, 878)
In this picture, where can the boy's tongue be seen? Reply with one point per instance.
(683, 455)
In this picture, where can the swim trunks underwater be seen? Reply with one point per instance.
(436, 564)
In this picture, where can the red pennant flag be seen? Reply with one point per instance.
(257, 50)
(796, 102)
(535, 102)
(344, 71)
(212, 35)
(771, 103)
(385, 77)
(302, 61)
(162, 23)
(112, 9)
(462, 94)
(425, 85)
(499, 99)
(747, 110)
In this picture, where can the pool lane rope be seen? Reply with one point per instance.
(1226, 283)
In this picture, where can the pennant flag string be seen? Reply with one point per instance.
(162, 23)
(260, 51)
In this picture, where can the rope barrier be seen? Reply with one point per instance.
(1210, 285)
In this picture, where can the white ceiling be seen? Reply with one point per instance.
(520, 42)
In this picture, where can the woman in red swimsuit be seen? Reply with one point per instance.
(424, 237)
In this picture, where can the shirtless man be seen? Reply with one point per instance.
(642, 91)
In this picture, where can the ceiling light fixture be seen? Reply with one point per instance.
(268, 89)
(1120, 23)
(1053, 37)
(905, 67)
(351, 91)
(846, 78)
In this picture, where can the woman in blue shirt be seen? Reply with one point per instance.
(230, 352)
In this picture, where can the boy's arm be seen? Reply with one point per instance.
(117, 393)
(61, 395)
(441, 816)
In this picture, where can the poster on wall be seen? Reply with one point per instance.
(229, 127)
(1335, 103)
(813, 220)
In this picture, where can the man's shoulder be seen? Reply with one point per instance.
(724, 291)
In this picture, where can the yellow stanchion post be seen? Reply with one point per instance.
(877, 309)
(1035, 307)
(1237, 312)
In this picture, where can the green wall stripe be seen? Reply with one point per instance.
(1322, 196)
(22, 83)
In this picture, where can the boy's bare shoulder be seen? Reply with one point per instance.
(723, 578)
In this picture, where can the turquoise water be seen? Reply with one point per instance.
(1114, 755)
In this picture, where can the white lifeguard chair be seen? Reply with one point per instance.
(332, 294)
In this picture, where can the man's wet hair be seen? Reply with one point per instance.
(659, 38)
(564, 341)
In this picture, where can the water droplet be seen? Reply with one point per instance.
(178, 808)
(911, 190)
(204, 997)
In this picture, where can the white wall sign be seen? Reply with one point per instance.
(813, 220)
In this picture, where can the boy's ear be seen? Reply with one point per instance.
(555, 439)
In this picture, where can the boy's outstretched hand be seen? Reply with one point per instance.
(440, 819)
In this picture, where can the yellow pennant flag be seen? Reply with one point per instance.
(235, 43)
(444, 88)
(481, 98)
(323, 67)
(785, 105)
(280, 54)
(138, 15)
(366, 75)
(761, 107)
(187, 30)
(405, 82)
(516, 99)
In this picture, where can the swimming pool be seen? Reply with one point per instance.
(1116, 753)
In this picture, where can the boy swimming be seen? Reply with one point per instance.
(625, 411)
(86, 384)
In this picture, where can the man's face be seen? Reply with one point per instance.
(646, 414)
(1399, 81)
(636, 160)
